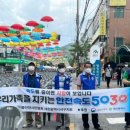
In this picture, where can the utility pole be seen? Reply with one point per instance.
(77, 36)
(77, 23)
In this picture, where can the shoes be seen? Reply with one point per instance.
(67, 128)
(39, 126)
(127, 126)
(99, 128)
(27, 125)
(58, 127)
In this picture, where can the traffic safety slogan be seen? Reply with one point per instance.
(66, 101)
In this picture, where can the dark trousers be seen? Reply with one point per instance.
(94, 120)
(119, 81)
(127, 118)
(108, 79)
(29, 118)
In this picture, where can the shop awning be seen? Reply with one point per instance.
(124, 50)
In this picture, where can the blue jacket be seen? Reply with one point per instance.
(37, 79)
(88, 82)
(66, 82)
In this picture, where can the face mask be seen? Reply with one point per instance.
(88, 70)
(62, 70)
(126, 65)
(31, 68)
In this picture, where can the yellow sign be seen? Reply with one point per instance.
(117, 2)
(102, 23)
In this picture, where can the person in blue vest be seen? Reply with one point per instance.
(62, 81)
(32, 80)
(87, 81)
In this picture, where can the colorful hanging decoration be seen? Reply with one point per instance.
(47, 19)
(4, 28)
(32, 42)
(24, 33)
(17, 27)
(37, 30)
(26, 29)
(32, 23)
(40, 26)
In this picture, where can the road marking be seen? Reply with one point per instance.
(72, 126)
(118, 120)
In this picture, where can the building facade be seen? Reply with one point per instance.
(111, 29)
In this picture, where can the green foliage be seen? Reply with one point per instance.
(112, 58)
(79, 49)
(45, 63)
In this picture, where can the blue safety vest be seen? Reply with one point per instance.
(37, 79)
(88, 82)
(66, 82)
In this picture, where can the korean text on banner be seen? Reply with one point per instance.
(67, 101)
(102, 24)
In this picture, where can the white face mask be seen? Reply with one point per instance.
(62, 70)
(88, 70)
(31, 68)
(126, 65)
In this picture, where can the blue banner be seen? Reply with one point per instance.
(97, 71)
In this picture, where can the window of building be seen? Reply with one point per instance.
(118, 41)
(119, 12)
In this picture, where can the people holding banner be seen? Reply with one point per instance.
(108, 75)
(33, 80)
(87, 81)
(62, 81)
(126, 81)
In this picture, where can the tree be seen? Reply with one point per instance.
(46, 63)
(112, 58)
(86, 48)
(81, 49)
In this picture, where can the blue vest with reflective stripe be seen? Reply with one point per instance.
(88, 82)
(66, 82)
(37, 79)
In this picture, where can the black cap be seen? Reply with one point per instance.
(61, 65)
(32, 64)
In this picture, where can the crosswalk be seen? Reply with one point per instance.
(117, 120)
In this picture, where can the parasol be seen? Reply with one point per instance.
(32, 23)
(17, 27)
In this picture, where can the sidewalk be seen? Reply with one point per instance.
(113, 84)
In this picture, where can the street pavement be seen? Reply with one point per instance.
(107, 121)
